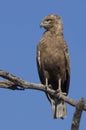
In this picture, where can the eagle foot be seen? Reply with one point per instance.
(48, 86)
(59, 93)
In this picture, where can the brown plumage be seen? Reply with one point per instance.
(53, 62)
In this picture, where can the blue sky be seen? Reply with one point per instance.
(19, 35)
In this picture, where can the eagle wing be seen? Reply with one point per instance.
(39, 64)
(67, 59)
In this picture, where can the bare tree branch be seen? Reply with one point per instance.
(77, 115)
(9, 85)
(16, 83)
(6, 83)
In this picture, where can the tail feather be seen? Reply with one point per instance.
(58, 108)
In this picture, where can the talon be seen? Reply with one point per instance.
(64, 93)
(50, 86)
(45, 87)
(61, 93)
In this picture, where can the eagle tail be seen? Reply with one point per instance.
(58, 108)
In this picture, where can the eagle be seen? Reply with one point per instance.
(53, 62)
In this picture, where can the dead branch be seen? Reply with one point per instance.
(77, 115)
(16, 83)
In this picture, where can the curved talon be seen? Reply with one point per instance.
(59, 93)
(46, 87)
(50, 86)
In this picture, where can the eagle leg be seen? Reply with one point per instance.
(46, 84)
(59, 91)
(59, 87)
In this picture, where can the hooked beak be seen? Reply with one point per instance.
(41, 25)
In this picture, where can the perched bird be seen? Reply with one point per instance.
(53, 62)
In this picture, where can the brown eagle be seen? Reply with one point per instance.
(53, 62)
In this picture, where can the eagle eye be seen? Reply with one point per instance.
(48, 20)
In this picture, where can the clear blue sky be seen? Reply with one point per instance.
(19, 35)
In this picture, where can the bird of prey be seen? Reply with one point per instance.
(53, 62)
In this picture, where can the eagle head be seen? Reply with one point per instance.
(51, 21)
